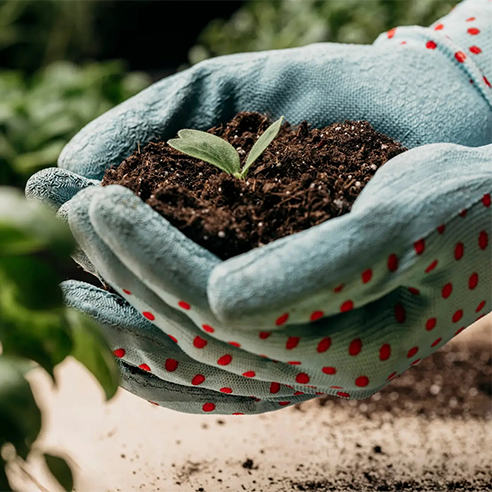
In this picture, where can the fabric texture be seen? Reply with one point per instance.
(342, 308)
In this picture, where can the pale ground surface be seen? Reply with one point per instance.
(130, 445)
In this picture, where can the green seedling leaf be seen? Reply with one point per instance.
(20, 418)
(91, 349)
(60, 470)
(261, 144)
(208, 148)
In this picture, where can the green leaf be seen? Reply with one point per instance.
(208, 148)
(60, 470)
(261, 144)
(34, 283)
(20, 418)
(91, 349)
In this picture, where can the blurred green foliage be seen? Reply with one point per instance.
(40, 113)
(35, 33)
(35, 327)
(271, 24)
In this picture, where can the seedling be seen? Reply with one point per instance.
(222, 154)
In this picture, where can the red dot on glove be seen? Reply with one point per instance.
(127, 292)
(324, 345)
(284, 403)
(294, 362)
(119, 352)
(208, 328)
(174, 339)
(149, 315)
(470, 19)
(299, 393)
(366, 276)
(225, 390)
(338, 288)
(430, 45)
(457, 315)
(391, 33)
(459, 331)
(430, 324)
(447, 290)
(480, 306)
(145, 367)
(291, 343)
(224, 360)
(483, 240)
(439, 27)
(208, 407)
(414, 291)
(264, 334)
(415, 362)
(473, 281)
(473, 31)
(343, 394)
(392, 376)
(475, 50)
(460, 56)
(302, 378)
(412, 352)
(199, 342)
(436, 342)
(392, 263)
(274, 388)
(362, 381)
(458, 251)
(198, 379)
(329, 370)
(441, 228)
(355, 347)
(282, 319)
(238, 413)
(419, 246)
(486, 81)
(346, 306)
(234, 344)
(184, 305)
(463, 213)
(316, 315)
(385, 352)
(171, 365)
(431, 266)
(486, 200)
(400, 314)
(249, 374)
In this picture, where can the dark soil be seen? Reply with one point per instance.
(305, 177)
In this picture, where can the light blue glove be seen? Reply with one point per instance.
(341, 308)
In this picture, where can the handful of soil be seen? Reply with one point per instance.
(305, 177)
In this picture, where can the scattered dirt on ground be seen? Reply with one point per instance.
(305, 177)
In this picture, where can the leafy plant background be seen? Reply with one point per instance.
(58, 72)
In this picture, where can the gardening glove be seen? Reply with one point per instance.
(341, 308)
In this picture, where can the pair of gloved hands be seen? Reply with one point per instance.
(342, 308)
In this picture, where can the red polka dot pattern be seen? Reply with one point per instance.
(483, 240)
(430, 45)
(486, 200)
(459, 250)
(208, 328)
(412, 352)
(355, 347)
(282, 319)
(324, 345)
(338, 288)
(346, 306)
(441, 229)
(460, 56)
(415, 362)
(329, 370)
(208, 407)
(392, 376)
(475, 50)
(249, 374)
(198, 379)
(436, 342)
(119, 352)
(127, 292)
(292, 342)
(184, 305)
(414, 291)
(171, 365)
(431, 266)
(480, 306)
(385, 352)
(362, 381)
(366, 276)
(470, 19)
(316, 315)
(144, 367)
(199, 342)
(235, 344)
(174, 339)
(274, 388)
(400, 314)
(343, 394)
(225, 390)
(393, 263)
(447, 290)
(473, 281)
(264, 334)
(302, 378)
(439, 27)
(294, 363)
(148, 315)
(391, 33)
(284, 403)
(473, 31)
(430, 324)
(457, 315)
(225, 360)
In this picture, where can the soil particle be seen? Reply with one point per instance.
(249, 465)
(305, 177)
